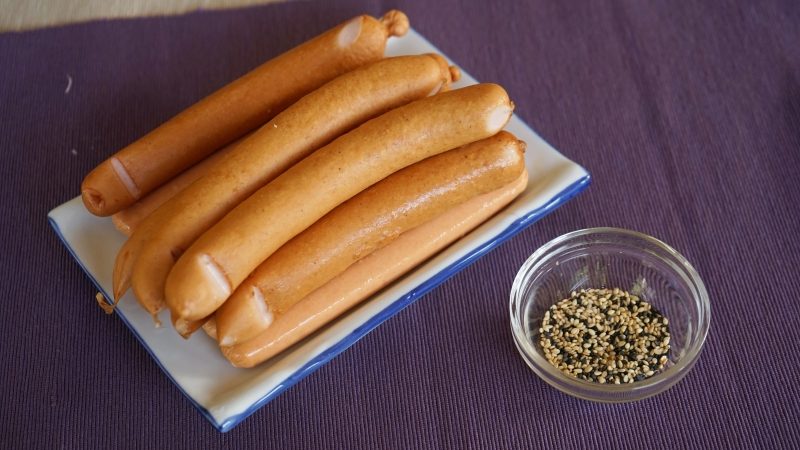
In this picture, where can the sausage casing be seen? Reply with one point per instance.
(363, 224)
(233, 110)
(208, 272)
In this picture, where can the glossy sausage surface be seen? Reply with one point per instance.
(363, 224)
(214, 266)
(315, 120)
(368, 276)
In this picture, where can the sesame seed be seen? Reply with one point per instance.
(605, 336)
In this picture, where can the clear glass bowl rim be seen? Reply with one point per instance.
(575, 386)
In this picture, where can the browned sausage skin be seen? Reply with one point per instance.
(234, 110)
(367, 276)
(129, 218)
(208, 272)
(363, 224)
(312, 122)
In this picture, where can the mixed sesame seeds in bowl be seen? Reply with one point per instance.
(609, 315)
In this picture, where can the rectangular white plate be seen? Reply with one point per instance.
(226, 395)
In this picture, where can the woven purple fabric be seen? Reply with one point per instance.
(687, 114)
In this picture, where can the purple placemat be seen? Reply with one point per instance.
(687, 115)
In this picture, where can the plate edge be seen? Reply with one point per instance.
(203, 411)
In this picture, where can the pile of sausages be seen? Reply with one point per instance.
(288, 196)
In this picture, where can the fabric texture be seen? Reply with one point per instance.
(30, 14)
(687, 114)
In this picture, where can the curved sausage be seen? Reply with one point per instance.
(312, 122)
(368, 276)
(208, 272)
(234, 110)
(363, 224)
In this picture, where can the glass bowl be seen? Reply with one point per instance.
(609, 258)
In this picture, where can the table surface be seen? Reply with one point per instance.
(687, 114)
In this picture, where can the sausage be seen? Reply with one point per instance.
(363, 224)
(312, 122)
(368, 276)
(235, 109)
(315, 120)
(208, 272)
(129, 218)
